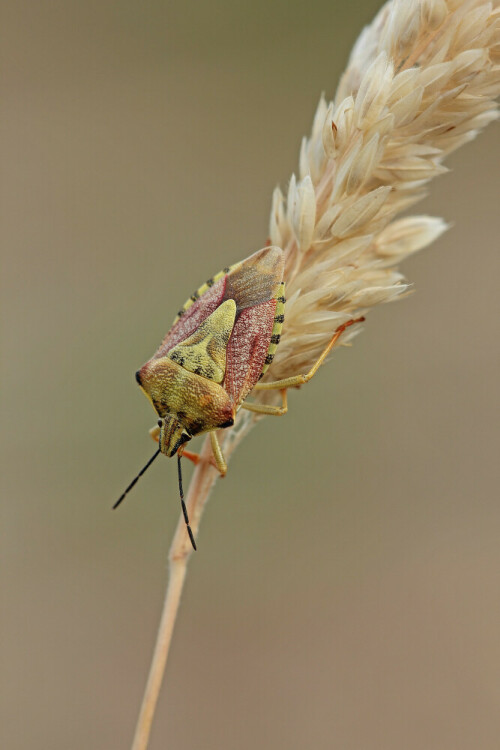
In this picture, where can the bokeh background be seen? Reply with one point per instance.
(346, 592)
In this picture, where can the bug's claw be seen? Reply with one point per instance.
(213, 463)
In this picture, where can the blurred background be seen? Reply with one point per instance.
(346, 589)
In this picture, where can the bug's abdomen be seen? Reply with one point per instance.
(279, 317)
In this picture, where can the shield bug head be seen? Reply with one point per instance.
(172, 435)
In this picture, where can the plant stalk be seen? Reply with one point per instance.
(180, 551)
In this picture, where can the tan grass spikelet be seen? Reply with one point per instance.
(420, 82)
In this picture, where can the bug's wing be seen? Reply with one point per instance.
(190, 318)
(247, 349)
(254, 285)
(256, 279)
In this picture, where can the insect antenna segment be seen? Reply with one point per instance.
(132, 483)
(183, 504)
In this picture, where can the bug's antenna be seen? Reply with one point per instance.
(183, 504)
(136, 478)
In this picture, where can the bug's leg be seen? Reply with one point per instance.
(220, 462)
(297, 380)
(275, 411)
(194, 457)
(155, 433)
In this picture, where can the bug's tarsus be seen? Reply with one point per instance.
(133, 482)
(183, 504)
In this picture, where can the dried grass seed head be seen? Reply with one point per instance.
(420, 82)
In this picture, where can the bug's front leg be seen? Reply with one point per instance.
(216, 460)
(220, 462)
(194, 457)
(155, 433)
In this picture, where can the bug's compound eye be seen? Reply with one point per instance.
(160, 423)
(138, 377)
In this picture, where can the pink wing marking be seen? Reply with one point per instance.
(193, 317)
(247, 349)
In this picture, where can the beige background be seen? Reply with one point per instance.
(346, 590)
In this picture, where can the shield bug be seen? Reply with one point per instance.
(219, 346)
